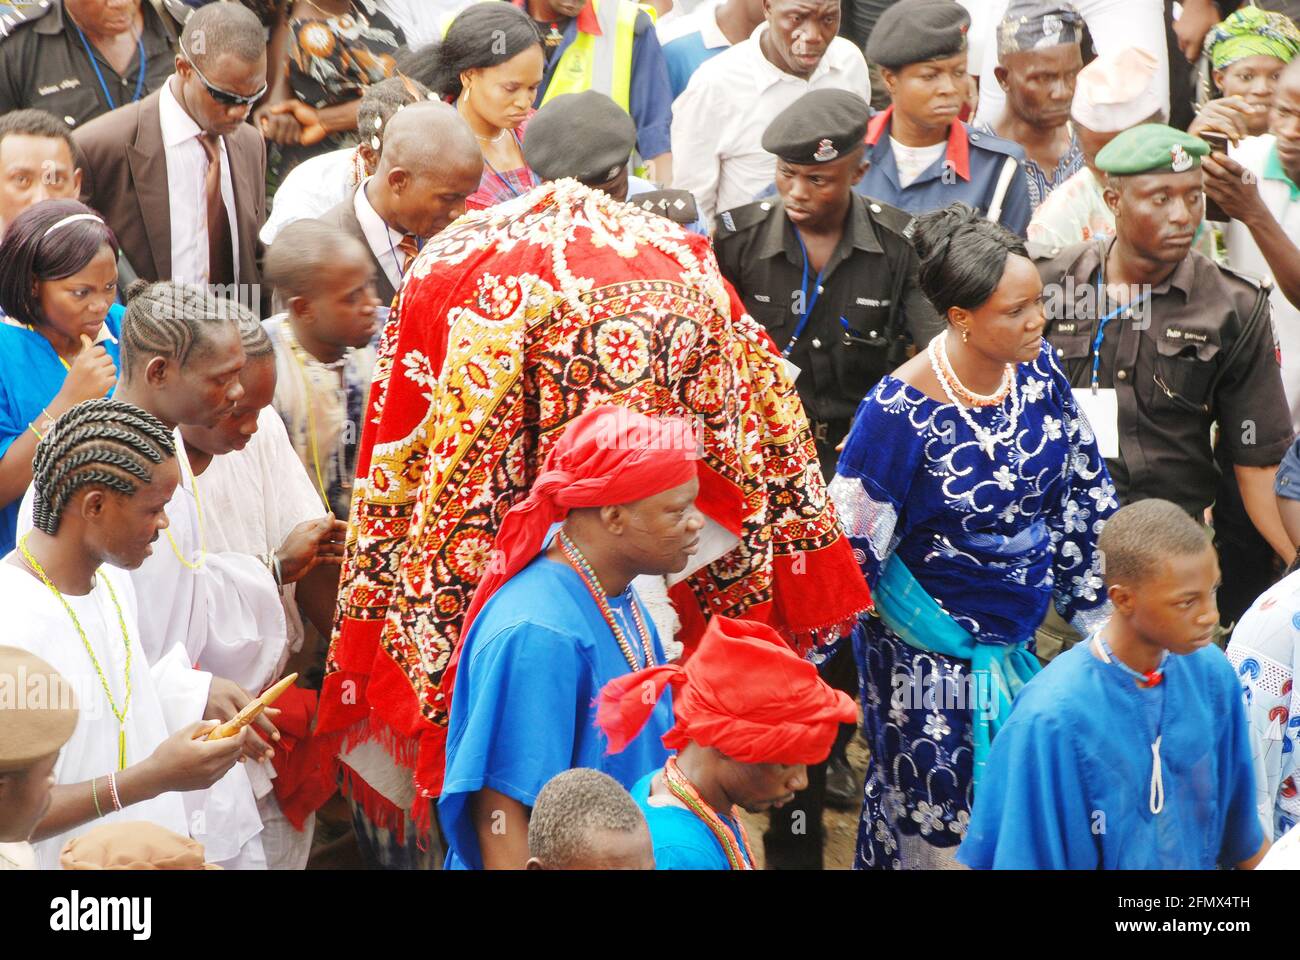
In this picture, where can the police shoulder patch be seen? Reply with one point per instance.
(891, 218)
(740, 219)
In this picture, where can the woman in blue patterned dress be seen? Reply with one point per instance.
(972, 490)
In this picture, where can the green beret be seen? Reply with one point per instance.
(818, 127)
(585, 135)
(1152, 148)
(912, 31)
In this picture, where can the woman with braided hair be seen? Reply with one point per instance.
(103, 474)
(58, 280)
(972, 491)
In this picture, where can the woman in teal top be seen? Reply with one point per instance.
(58, 345)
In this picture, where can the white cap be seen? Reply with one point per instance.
(1117, 91)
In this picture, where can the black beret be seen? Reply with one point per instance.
(818, 127)
(586, 136)
(912, 31)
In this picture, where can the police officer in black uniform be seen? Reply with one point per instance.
(1183, 343)
(829, 273)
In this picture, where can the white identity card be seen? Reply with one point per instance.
(1102, 410)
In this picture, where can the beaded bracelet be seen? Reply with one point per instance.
(112, 789)
(49, 422)
(94, 795)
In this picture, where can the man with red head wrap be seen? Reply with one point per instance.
(545, 633)
(751, 717)
(510, 325)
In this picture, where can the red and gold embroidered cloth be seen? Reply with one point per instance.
(512, 322)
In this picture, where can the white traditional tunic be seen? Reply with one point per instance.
(35, 621)
(252, 500)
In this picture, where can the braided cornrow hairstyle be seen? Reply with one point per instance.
(170, 319)
(253, 337)
(102, 442)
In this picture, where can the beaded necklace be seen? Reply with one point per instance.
(579, 562)
(198, 509)
(685, 791)
(294, 348)
(126, 640)
(968, 396)
(986, 438)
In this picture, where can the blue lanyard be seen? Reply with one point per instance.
(1102, 321)
(139, 79)
(803, 296)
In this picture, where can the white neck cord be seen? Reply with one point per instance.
(1156, 802)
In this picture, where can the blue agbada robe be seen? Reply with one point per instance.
(682, 841)
(523, 708)
(1069, 779)
(31, 375)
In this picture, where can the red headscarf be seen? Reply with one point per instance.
(607, 456)
(743, 692)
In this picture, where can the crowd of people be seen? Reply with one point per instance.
(547, 434)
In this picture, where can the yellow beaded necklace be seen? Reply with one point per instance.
(90, 651)
(294, 348)
(198, 508)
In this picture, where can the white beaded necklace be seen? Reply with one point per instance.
(986, 438)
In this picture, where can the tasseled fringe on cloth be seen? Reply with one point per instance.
(809, 642)
(378, 809)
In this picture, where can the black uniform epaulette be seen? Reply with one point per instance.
(676, 205)
(739, 219)
(891, 218)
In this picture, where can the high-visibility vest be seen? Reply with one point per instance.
(602, 63)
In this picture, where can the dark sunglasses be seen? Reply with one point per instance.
(223, 97)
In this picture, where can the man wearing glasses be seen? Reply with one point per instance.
(179, 175)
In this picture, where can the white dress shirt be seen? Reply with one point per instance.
(312, 188)
(382, 238)
(187, 167)
(719, 119)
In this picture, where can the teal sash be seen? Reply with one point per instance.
(999, 671)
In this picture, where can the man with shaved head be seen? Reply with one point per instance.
(179, 175)
(430, 163)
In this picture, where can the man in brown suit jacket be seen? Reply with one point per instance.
(429, 164)
(163, 169)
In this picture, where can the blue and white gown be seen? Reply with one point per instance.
(992, 540)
